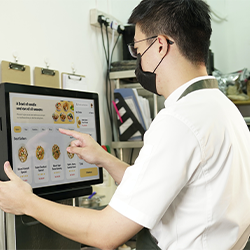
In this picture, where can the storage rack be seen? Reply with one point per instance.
(118, 78)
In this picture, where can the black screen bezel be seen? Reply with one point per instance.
(58, 191)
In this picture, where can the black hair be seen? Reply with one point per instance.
(188, 22)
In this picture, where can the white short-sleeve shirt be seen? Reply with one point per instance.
(190, 184)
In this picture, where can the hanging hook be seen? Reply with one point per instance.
(46, 60)
(47, 71)
(73, 68)
(15, 55)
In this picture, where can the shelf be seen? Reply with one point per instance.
(241, 102)
(122, 74)
(118, 81)
(127, 144)
(131, 85)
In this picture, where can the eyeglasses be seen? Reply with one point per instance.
(133, 50)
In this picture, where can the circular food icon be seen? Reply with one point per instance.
(39, 153)
(22, 154)
(65, 106)
(62, 117)
(72, 107)
(70, 117)
(55, 116)
(56, 151)
(58, 106)
(70, 155)
(79, 122)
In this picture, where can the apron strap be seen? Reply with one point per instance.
(203, 84)
(145, 241)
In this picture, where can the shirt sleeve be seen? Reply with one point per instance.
(166, 163)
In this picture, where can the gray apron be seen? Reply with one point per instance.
(144, 239)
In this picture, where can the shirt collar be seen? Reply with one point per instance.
(174, 96)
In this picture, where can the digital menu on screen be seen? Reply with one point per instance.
(38, 148)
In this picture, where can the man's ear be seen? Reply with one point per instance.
(163, 45)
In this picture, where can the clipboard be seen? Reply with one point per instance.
(15, 73)
(46, 78)
(74, 82)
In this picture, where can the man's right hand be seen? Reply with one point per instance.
(90, 151)
(85, 147)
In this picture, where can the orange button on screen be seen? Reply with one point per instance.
(17, 129)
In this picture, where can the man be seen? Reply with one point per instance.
(190, 183)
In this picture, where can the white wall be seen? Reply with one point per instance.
(231, 39)
(60, 31)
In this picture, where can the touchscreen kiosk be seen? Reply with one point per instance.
(30, 118)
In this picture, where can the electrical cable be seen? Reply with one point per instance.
(219, 19)
(101, 21)
(107, 36)
(108, 78)
(111, 46)
(108, 55)
(108, 89)
(105, 52)
(111, 56)
(114, 46)
(109, 81)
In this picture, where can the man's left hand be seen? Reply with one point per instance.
(15, 193)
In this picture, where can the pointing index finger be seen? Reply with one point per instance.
(75, 134)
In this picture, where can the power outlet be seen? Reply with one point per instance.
(94, 13)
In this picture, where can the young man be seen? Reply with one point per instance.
(190, 183)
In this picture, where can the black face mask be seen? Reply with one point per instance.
(145, 78)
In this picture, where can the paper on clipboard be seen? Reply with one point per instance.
(74, 82)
